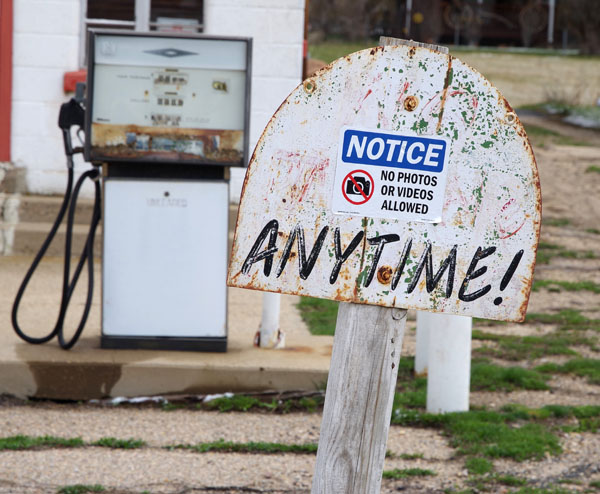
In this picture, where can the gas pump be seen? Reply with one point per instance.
(165, 117)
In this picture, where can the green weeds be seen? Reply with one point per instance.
(319, 315)
(478, 466)
(568, 286)
(404, 473)
(411, 456)
(541, 136)
(244, 403)
(565, 319)
(114, 443)
(592, 169)
(38, 442)
(582, 367)
(546, 251)
(490, 377)
(80, 489)
(223, 446)
(556, 222)
(46, 442)
(511, 434)
(516, 348)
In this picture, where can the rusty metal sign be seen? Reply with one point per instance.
(395, 176)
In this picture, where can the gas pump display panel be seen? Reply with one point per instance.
(168, 98)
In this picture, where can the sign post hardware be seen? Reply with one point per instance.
(397, 177)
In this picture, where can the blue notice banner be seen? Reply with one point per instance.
(383, 149)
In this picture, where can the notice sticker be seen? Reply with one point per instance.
(390, 175)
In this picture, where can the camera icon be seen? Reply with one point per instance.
(363, 182)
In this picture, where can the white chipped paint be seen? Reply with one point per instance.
(491, 204)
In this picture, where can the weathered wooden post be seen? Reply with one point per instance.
(395, 177)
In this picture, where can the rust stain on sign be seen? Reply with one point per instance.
(398, 176)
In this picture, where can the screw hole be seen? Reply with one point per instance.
(309, 86)
(511, 117)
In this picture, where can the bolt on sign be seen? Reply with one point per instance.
(396, 176)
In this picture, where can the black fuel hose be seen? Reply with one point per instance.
(87, 256)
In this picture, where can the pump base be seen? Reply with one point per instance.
(215, 344)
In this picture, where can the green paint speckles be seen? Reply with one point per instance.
(420, 126)
(450, 76)
(486, 144)
(360, 279)
(385, 69)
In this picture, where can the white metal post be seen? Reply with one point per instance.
(270, 335)
(449, 369)
(424, 321)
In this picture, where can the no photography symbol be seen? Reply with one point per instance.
(358, 187)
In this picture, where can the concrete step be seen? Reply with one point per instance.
(44, 209)
(27, 238)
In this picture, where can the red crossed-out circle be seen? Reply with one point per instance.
(357, 186)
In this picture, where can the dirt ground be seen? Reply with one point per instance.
(571, 210)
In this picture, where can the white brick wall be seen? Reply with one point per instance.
(277, 30)
(46, 45)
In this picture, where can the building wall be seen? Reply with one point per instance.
(277, 29)
(46, 45)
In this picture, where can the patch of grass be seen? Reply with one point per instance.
(509, 480)
(556, 221)
(592, 169)
(245, 403)
(169, 407)
(114, 443)
(318, 314)
(542, 490)
(411, 456)
(488, 434)
(80, 489)
(569, 286)
(546, 252)
(238, 403)
(404, 473)
(516, 348)
(588, 417)
(250, 447)
(541, 136)
(595, 483)
(595, 231)
(566, 319)
(582, 367)
(490, 377)
(33, 442)
(415, 395)
(478, 466)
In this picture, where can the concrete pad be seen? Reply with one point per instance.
(87, 371)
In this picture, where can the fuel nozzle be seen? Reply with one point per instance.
(71, 113)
